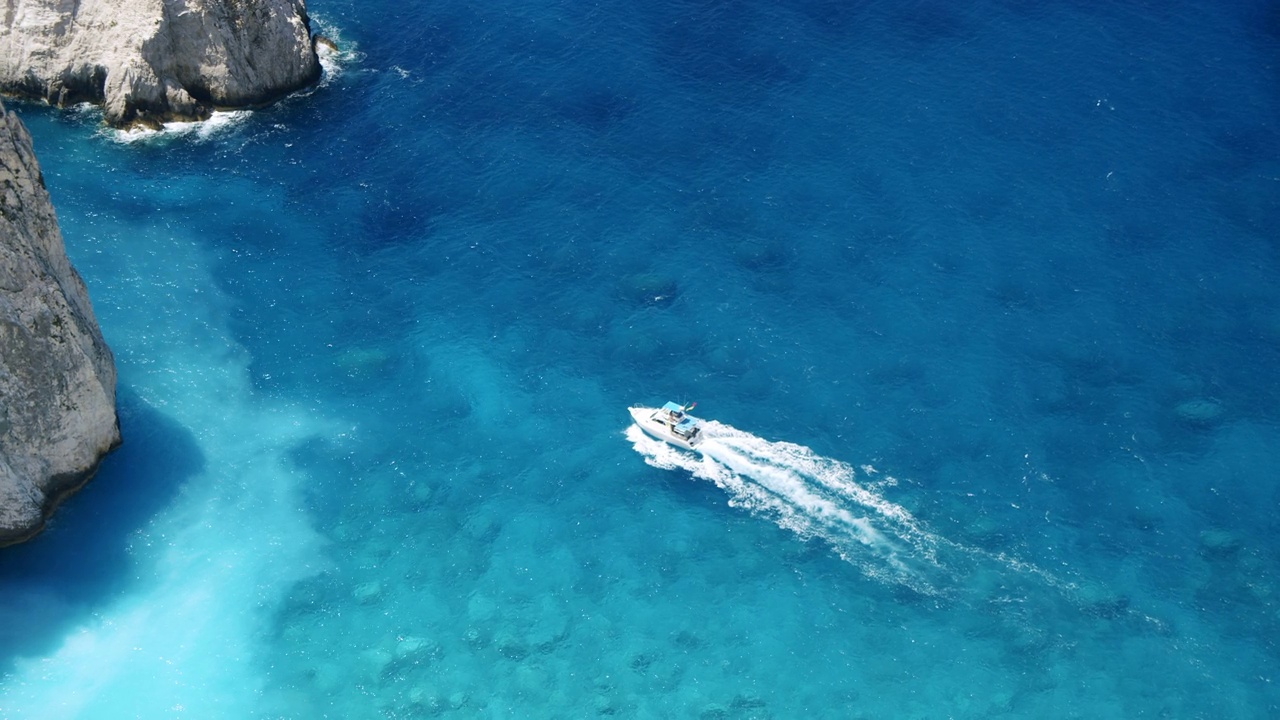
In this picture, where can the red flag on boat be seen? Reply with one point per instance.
(691, 406)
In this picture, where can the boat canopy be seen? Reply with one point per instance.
(672, 407)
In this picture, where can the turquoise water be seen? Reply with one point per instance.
(981, 302)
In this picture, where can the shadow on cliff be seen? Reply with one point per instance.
(81, 561)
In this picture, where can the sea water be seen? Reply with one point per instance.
(979, 301)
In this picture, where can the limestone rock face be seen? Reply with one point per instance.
(57, 375)
(148, 61)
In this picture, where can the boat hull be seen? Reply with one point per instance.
(646, 419)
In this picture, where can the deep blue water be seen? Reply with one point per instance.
(981, 299)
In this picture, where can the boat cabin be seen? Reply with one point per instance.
(678, 422)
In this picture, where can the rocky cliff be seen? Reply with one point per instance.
(150, 61)
(57, 375)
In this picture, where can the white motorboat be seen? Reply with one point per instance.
(670, 423)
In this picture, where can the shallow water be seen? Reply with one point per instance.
(981, 302)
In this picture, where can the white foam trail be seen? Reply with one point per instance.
(820, 498)
(813, 496)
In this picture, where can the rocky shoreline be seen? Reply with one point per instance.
(147, 62)
(57, 376)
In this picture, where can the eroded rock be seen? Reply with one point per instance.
(57, 375)
(151, 61)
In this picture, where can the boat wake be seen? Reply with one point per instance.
(815, 497)
(823, 499)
